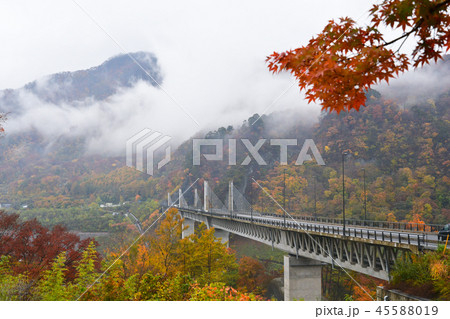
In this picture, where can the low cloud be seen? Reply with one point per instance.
(107, 124)
(417, 86)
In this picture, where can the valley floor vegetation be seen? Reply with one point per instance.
(162, 266)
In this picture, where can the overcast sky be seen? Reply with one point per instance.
(212, 53)
(200, 37)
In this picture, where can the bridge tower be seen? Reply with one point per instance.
(195, 198)
(230, 198)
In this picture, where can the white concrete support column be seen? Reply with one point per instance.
(302, 279)
(189, 230)
(180, 196)
(205, 196)
(230, 198)
(169, 201)
(195, 198)
(223, 235)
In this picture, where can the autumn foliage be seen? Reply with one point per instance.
(425, 275)
(339, 65)
(2, 119)
(253, 276)
(162, 266)
(33, 247)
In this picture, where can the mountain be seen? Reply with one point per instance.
(25, 149)
(97, 83)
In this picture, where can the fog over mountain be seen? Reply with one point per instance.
(107, 104)
(102, 104)
(95, 84)
(416, 86)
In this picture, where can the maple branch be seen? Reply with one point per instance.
(417, 25)
(405, 35)
(403, 42)
(441, 4)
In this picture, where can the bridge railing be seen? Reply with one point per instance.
(367, 223)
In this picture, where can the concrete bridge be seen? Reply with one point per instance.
(368, 247)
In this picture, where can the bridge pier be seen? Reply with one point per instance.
(223, 235)
(189, 230)
(302, 279)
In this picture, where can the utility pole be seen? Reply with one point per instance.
(251, 200)
(343, 189)
(315, 198)
(365, 194)
(284, 197)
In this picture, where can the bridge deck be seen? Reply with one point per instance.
(372, 251)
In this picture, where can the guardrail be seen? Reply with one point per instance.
(366, 223)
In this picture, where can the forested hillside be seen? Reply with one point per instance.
(404, 153)
(402, 150)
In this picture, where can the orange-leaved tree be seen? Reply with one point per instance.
(339, 65)
(254, 276)
(2, 119)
